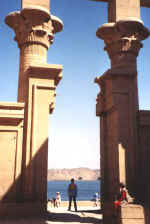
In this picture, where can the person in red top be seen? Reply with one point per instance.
(122, 196)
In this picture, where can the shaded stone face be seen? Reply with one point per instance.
(145, 3)
(42, 3)
(119, 9)
(123, 9)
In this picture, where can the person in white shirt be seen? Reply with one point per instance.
(58, 199)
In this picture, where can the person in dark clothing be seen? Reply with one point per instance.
(72, 194)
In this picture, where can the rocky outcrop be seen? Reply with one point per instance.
(76, 173)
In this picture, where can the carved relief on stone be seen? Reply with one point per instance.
(34, 25)
(123, 41)
(30, 26)
(124, 45)
(100, 100)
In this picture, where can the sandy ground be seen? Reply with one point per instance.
(84, 215)
(87, 214)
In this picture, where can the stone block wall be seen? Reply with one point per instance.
(43, 3)
(11, 135)
(143, 163)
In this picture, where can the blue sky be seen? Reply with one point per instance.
(74, 128)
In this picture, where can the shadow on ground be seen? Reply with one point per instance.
(97, 211)
(82, 216)
(77, 217)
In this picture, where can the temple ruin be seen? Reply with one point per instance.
(125, 130)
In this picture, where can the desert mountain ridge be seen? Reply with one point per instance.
(76, 173)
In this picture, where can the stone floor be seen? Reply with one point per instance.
(86, 215)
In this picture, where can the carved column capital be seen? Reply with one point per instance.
(123, 41)
(34, 26)
(123, 45)
(34, 32)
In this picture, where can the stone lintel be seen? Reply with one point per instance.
(11, 113)
(118, 9)
(42, 3)
(144, 117)
(143, 3)
(53, 72)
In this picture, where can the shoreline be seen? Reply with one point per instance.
(79, 204)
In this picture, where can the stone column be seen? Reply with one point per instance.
(117, 106)
(42, 82)
(34, 28)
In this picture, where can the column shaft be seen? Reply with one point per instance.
(117, 106)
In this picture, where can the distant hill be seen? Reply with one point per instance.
(76, 173)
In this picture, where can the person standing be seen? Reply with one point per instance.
(96, 199)
(122, 197)
(58, 199)
(72, 194)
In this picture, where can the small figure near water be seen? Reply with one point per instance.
(72, 194)
(58, 199)
(52, 202)
(96, 199)
(55, 202)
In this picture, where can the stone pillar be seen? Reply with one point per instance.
(42, 82)
(117, 106)
(34, 28)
